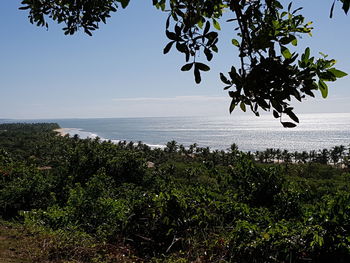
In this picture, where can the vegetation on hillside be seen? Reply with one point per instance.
(95, 201)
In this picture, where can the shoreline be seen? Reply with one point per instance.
(156, 135)
(67, 131)
(62, 131)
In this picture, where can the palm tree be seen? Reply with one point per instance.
(122, 144)
(260, 156)
(205, 151)
(337, 154)
(224, 157)
(269, 155)
(304, 156)
(233, 148)
(192, 148)
(323, 156)
(278, 155)
(171, 147)
(297, 157)
(130, 145)
(215, 157)
(234, 152)
(312, 156)
(182, 149)
(286, 156)
(346, 158)
(341, 152)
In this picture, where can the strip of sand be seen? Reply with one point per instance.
(62, 131)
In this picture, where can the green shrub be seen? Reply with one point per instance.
(255, 184)
(24, 188)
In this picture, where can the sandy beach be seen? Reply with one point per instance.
(62, 131)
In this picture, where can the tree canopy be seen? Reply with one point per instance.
(271, 72)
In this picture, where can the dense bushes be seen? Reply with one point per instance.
(203, 207)
(24, 188)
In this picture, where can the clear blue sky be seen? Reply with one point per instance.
(122, 72)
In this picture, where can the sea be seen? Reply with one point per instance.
(250, 133)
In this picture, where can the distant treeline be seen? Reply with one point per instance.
(337, 155)
(104, 202)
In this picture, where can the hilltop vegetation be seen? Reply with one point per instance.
(92, 201)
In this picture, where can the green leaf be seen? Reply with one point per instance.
(296, 10)
(181, 47)
(224, 79)
(212, 36)
(233, 74)
(202, 66)
(232, 106)
(275, 114)
(187, 67)
(307, 53)
(235, 42)
(346, 5)
(124, 3)
(177, 30)
(291, 115)
(87, 32)
(200, 23)
(168, 47)
(327, 76)
(197, 75)
(242, 105)
(285, 52)
(208, 54)
(172, 36)
(167, 22)
(285, 40)
(323, 54)
(207, 27)
(278, 5)
(216, 24)
(288, 124)
(24, 7)
(337, 73)
(323, 88)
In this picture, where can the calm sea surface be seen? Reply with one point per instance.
(316, 131)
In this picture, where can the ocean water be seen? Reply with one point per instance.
(316, 131)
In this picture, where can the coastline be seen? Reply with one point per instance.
(62, 131)
(85, 135)
(316, 132)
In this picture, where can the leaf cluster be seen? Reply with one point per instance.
(270, 75)
(85, 14)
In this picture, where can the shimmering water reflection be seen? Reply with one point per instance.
(316, 131)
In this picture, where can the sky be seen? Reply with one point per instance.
(121, 71)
